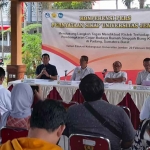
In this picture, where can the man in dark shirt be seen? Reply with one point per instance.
(81, 121)
(46, 70)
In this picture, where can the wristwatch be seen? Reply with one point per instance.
(49, 76)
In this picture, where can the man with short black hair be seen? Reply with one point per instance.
(81, 121)
(145, 74)
(46, 70)
(81, 71)
(47, 123)
(5, 95)
(116, 76)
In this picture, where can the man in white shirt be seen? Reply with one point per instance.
(116, 76)
(145, 111)
(81, 71)
(145, 74)
(5, 95)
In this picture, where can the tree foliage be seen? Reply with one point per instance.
(31, 48)
(73, 5)
(147, 6)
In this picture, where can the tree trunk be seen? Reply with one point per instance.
(141, 3)
(116, 4)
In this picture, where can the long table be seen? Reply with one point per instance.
(116, 94)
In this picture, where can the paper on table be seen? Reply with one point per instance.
(106, 85)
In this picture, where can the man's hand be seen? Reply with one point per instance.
(45, 72)
(39, 93)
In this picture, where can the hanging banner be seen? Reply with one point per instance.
(103, 36)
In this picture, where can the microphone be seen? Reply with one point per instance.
(65, 73)
(104, 71)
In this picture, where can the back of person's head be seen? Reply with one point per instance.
(21, 100)
(2, 74)
(49, 117)
(146, 59)
(91, 87)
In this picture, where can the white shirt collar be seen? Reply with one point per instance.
(84, 68)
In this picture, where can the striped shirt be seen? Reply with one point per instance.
(143, 75)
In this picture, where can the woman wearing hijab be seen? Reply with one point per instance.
(21, 101)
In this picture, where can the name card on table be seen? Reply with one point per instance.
(65, 82)
(28, 81)
(107, 85)
(142, 87)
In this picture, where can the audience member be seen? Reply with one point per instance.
(145, 74)
(83, 70)
(142, 137)
(47, 123)
(21, 101)
(116, 76)
(46, 70)
(84, 122)
(145, 111)
(5, 95)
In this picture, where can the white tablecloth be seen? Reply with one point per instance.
(114, 93)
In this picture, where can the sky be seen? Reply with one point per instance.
(111, 4)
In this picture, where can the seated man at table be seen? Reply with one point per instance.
(116, 76)
(5, 95)
(145, 74)
(47, 123)
(46, 70)
(85, 122)
(81, 71)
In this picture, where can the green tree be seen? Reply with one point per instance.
(147, 6)
(31, 48)
(73, 5)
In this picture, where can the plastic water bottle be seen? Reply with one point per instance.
(130, 84)
(58, 79)
(25, 77)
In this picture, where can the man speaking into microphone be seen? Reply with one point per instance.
(46, 70)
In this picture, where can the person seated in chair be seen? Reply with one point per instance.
(145, 74)
(21, 102)
(116, 76)
(5, 95)
(84, 122)
(46, 126)
(46, 70)
(81, 71)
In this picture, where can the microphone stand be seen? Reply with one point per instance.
(65, 74)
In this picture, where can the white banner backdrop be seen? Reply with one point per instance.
(104, 36)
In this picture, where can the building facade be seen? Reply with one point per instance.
(31, 12)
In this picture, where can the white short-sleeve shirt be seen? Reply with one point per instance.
(5, 100)
(143, 75)
(145, 111)
(80, 73)
(116, 75)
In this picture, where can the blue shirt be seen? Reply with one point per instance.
(51, 70)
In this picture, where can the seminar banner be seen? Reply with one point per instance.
(104, 36)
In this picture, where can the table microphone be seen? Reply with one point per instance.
(104, 71)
